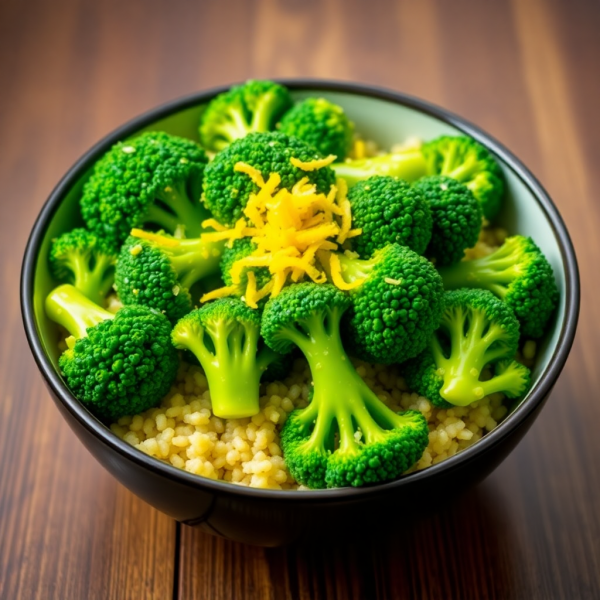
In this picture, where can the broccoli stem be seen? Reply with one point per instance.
(354, 268)
(233, 370)
(92, 282)
(184, 211)
(408, 165)
(471, 351)
(493, 273)
(195, 259)
(263, 114)
(69, 307)
(341, 396)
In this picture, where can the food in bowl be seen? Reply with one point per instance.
(313, 254)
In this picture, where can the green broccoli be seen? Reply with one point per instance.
(240, 249)
(518, 273)
(155, 178)
(409, 165)
(458, 157)
(252, 107)
(81, 258)
(224, 337)
(322, 124)
(456, 215)
(226, 191)
(158, 271)
(346, 435)
(477, 330)
(116, 365)
(396, 308)
(389, 210)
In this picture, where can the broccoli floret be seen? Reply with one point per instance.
(467, 161)
(253, 107)
(389, 210)
(346, 436)
(224, 337)
(409, 165)
(116, 365)
(159, 271)
(397, 307)
(518, 273)
(155, 178)
(81, 258)
(456, 216)
(477, 330)
(322, 124)
(240, 249)
(226, 191)
(458, 157)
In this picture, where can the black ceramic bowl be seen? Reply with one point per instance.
(274, 517)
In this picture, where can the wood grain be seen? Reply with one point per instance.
(525, 70)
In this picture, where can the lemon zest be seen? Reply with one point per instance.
(313, 165)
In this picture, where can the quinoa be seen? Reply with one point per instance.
(183, 431)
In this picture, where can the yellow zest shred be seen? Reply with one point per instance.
(160, 240)
(295, 233)
(359, 149)
(313, 165)
(223, 292)
(214, 224)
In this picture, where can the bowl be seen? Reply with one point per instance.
(270, 517)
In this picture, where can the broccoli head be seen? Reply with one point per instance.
(458, 157)
(155, 178)
(346, 436)
(396, 307)
(456, 216)
(477, 330)
(467, 161)
(224, 336)
(518, 273)
(158, 271)
(252, 107)
(82, 258)
(116, 365)
(226, 191)
(240, 249)
(322, 124)
(389, 210)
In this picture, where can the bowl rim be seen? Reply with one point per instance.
(514, 420)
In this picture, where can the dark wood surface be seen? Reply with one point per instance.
(526, 71)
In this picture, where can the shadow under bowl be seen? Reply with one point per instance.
(269, 517)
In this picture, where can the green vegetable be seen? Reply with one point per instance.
(252, 107)
(389, 210)
(397, 308)
(477, 330)
(159, 272)
(322, 124)
(120, 364)
(518, 273)
(224, 337)
(374, 444)
(226, 191)
(458, 157)
(155, 178)
(81, 258)
(240, 249)
(456, 218)
(467, 161)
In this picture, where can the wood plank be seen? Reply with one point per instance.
(67, 529)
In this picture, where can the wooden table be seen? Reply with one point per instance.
(526, 71)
